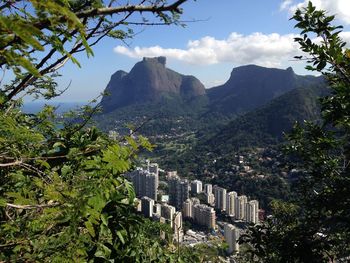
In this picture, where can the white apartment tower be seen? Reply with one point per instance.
(187, 207)
(230, 203)
(252, 212)
(220, 198)
(168, 212)
(177, 227)
(196, 187)
(208, 188)
(157, 208)
(240, 205)
(210, 199)
(231, 237)
(147, 206)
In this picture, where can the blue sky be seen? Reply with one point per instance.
(228, 33)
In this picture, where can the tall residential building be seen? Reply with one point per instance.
(168, 212)
(210, 198)
(240, 204)
(252, 212)
(177, 226)
(231, 237)
(220, 198)
(157, 208)
(187, 207)
(196, 187)
(178, 191)
(204, 215)
(153, 168)
(145, 183)
(230, 203)
(208, 188)
(147, 206)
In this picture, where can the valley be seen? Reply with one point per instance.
(201, 135)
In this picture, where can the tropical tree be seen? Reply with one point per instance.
(62, 194)
(315, 226)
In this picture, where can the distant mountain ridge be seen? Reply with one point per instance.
(149, 81)
(252, 86)
(266, 125)
(254, 106)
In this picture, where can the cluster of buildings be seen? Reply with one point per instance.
(237, 207)
(201, 214)
(146, 182)
(181, 205)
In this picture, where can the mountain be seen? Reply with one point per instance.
(262, 127)
(252, 86)
(149, 81)
(252, 108)
(266, 125)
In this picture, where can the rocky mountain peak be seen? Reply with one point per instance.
(149, 81)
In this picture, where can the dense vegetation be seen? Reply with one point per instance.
(62, 194)
(314, 225)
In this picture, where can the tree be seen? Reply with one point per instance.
(39, 37)
(315, 225)
(62, 194)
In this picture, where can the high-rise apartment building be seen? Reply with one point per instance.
(240, 205)
(204, 215)
(230, 203)
(145, 182)
(220, 198)
(157, 208)
(231, 237)
(168, 212)
(208, 188)
(196, 187)
(187, 207)
(178, 191)
(252, 212)
(210, 199)
(147, 206)
(177, 227)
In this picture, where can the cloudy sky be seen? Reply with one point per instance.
(225, 34)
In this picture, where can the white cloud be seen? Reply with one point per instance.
(341, 8)
(286, 4)
(269, 50)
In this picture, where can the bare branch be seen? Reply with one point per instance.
(11, 164)
(31, 207)
(131, 8)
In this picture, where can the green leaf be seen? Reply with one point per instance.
(90, 228)
(3, 202)
(120, 235)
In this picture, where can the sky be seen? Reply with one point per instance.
(225, 34)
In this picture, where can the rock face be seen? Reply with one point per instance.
(149, 81)
(252, 86)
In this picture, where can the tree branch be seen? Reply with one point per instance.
(131, 8)
(11, 164)
(31, 207)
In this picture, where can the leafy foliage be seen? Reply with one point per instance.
(314, 227)
(62, 194)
